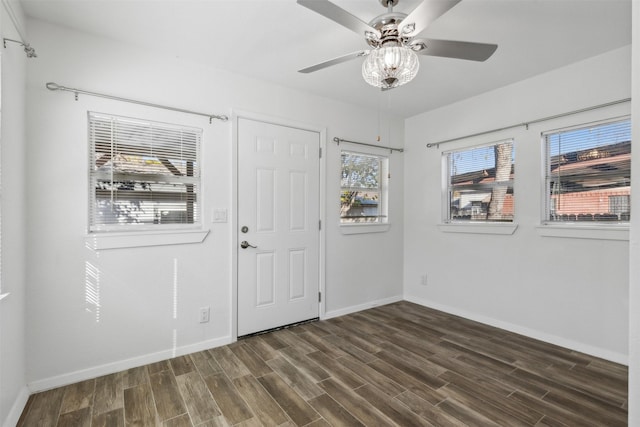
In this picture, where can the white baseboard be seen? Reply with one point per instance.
(17, 408)
(360, 307)
(110, 368)
(612, 356)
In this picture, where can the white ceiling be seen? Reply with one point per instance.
(272, 39)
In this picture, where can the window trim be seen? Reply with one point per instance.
(348, 228)
(133, 239)
(364, 228)
(579, 231)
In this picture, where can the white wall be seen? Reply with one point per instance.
(634, 265)
(68, 337)
(13, 392)
(506, 280)
(565, 290)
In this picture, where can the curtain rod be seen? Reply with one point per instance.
(392, 149)
(526, 124)
(55, 86)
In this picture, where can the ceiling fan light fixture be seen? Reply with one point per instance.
(389, 67)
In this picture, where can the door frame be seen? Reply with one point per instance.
(322, 132)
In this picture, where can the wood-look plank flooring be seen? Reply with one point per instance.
(394, 365)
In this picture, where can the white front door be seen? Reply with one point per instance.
(278, 216)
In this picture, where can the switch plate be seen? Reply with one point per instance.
(204, 314)
(219, 215)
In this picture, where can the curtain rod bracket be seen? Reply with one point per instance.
(54, 87)
(30, 51)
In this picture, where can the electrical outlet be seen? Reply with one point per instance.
(204, 314)
(423, 279)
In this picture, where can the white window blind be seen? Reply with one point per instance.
(143, 175)
(479, 183)
(588, 171)
(363, 188)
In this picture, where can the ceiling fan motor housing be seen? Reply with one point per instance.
(388, 3)
(387, 24)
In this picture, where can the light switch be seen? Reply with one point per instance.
(219, 215)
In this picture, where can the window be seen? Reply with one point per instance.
(143, 175)
(363, 188)
(479, 183)
(587, 173)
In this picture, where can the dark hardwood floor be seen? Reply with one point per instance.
(399, 364)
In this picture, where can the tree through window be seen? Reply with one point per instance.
(480, 183)
(363, 185)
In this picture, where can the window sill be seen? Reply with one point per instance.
(479, 228)
(601, 232)
(364, 228)
(100, 241)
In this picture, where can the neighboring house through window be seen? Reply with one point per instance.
(364, 183)
(143, 175)
(479, 183)
(587, 173)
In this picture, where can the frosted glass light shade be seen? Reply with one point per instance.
(388, 67)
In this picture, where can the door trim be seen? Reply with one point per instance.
(322, 131)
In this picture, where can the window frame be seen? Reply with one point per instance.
(120, 233)
(474, 226)
(383, 189)
(609, 230)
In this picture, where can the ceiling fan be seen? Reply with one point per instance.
(392, 59)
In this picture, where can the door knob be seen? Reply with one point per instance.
(245, 245)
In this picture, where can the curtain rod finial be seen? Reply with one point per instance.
(30, 51)
(222, 118)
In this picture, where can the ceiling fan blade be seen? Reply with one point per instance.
(454, 49)
(423, 15)
(339, 15)
(334, 61)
